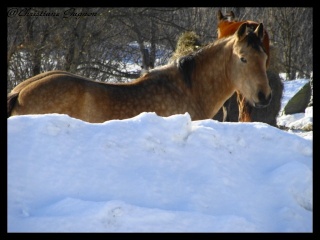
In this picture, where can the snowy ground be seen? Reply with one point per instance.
(155, 174)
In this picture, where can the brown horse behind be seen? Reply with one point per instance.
(198, 83)
(227, 25)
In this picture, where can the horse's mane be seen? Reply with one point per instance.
(186, 65)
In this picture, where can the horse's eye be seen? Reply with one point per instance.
(243, 59)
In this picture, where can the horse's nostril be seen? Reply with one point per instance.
(263, 99)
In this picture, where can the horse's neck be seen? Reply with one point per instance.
(211, 75)
(213, 64)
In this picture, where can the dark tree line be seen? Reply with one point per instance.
(103, 43)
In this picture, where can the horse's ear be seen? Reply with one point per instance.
(232, 16)
(259, 31)
(242, 31)
(220, 16)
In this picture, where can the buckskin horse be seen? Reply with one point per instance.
(198, 83)
(227, 25)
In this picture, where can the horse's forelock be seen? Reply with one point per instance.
(254, 41)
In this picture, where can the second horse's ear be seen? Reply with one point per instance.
(232, 16)
(220, 16)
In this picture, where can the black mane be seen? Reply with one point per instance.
(254, 41)
(186, 64)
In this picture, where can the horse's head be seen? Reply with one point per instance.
(228, 25)
(248, 71)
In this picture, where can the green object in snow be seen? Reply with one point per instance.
(299, 102)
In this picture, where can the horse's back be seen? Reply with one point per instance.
(40, 76)
(93, 101)
(83, 98)
(51, 92)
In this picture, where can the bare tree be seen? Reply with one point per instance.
(292, 30)
(105, 45)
